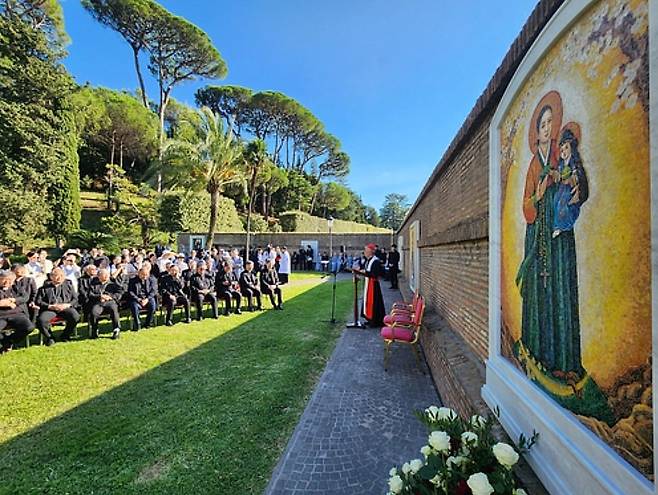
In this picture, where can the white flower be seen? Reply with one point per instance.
(416, 464)
(478, 421)
(432, 411)
(520, 491)
(468, 437)
(395, 484)
(393, 472)
(446, 413)
(455, 461)
(505, 454)
(426, 450)
(436, 481)
(406, 467)
(439, 440)
(479, 484)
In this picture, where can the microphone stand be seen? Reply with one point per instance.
(356, 323)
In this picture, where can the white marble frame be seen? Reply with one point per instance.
(569, 458)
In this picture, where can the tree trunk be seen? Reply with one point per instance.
(164, 100)
(214, 200)
(263, 201)
(140, 78)
(252, 193)
(110, 173)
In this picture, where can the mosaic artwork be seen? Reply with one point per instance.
(575, 227)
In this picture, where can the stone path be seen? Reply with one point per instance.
(359, 421)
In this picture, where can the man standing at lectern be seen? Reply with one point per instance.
(373, 302)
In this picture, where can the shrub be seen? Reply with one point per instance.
(190, 212)
(258, 223)
(87, 239)
(299, 221)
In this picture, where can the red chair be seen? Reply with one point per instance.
(405, 306)
(404, 333)
(402, 315)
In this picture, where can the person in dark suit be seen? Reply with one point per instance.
(89, 273)
(172, 289)
(228, 288)
(249, 286)
(104, 297)
(269, 284)
(142, 291)
(394, 266)
(14, 323)
(57, 298)
(202, 289)
(26, 288)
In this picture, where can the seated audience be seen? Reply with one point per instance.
(14, 323)
(57, 298)
(172, 288)
(269, 284)
(26, 288)
(202, 290)
(228, 288)
(84, 284)
(142, 291)
(104, 297)
(249, 286)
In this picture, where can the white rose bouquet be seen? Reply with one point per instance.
(461, 458)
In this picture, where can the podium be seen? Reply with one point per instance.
(356, 322)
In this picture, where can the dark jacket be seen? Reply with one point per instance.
(84, 285)
(269, 277)
(394, 259)
(11, 292)
(170, 286)
(98, 288)
(142, 289)
(249, 280)
(26, 290)
(225, 281)
(201, 282)
(49, 294)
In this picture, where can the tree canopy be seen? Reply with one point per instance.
(393, 211)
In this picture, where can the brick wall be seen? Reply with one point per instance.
(452, 211)
(353, 243)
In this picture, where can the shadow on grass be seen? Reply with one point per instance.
(212, 420)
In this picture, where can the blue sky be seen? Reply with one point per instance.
(393, 80)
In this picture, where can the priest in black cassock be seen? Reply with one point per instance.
(373, 302)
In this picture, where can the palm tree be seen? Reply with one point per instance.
(210, 160)
(256, 163)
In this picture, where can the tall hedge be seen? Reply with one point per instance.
(190, 212)
(64, 189)
(37, 147)
(299, 221)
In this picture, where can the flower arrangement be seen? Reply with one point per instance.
(461, 458)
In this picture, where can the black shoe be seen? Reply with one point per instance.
(199, 318)
(227, 313)
(65, 338)
(169, 323)
(279, 307)
(5, 349)
(116, 333)
(238, 311)
(50, 342)
(259, 308)
(94, 335)
(188, 320)
(135, 329)
(250, 309)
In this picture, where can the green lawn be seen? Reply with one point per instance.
(202, 408)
